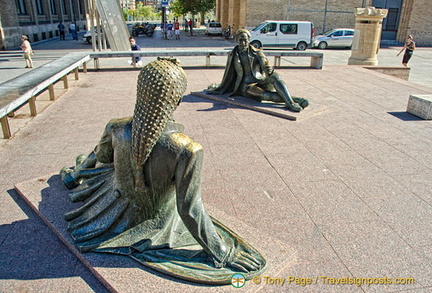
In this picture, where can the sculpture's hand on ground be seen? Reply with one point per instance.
(67, 178)
(71, 176)
(243, 261)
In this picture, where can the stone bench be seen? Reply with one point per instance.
(161, 53)
(421, 106)
(24, 88)
(316, 58)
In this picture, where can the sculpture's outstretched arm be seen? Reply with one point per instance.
(190, 206)
(196, 219)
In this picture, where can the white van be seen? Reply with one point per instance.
(283, 33)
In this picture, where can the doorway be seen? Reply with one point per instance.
(391, 22)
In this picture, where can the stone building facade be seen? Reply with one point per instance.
(38, 19)
(405, 16)
(416, 21)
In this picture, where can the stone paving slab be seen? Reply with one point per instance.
(347, 190)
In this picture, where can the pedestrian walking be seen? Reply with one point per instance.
(61, 28)
(186, 25)
(72, 30)
(177, 30)
(134, 47)
(170, 30)
(409, 48)
(27, 50)
(191, 26)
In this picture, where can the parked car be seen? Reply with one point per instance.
(213, 28)
(276, 33)
(341, 37)
(87, 37)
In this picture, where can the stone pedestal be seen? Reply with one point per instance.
(367, 36)
(421, 106)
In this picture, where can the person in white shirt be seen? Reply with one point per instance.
(72, 30)
(27, 49)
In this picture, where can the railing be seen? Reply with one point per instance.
(24, 88)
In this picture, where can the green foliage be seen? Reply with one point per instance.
(141, 12)
(177, 8)
(193, 6)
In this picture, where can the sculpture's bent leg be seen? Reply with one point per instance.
(282, 96)
(283, 92)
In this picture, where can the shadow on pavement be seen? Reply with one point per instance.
(405, 116)
(36, 253)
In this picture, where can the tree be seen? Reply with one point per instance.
(178, 8)
(205, 6)
(193, 6)
(141, 12)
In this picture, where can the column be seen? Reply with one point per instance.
(367, 36)
(49, 12)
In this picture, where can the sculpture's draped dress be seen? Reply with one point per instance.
(164, 226)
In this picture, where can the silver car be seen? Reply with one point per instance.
(213, 28)
(341, 37)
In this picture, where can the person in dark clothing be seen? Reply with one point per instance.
(61, 28)
(409, 48)
(134, 47)
(191, 26)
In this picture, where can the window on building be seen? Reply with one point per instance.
(21, 8)
(53, 7)
(39, 8)
(288, 28)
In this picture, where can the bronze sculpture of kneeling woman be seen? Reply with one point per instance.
(141, 194)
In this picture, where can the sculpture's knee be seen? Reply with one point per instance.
(274, 77)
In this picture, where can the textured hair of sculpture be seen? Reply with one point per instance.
(160, 86)
(242, 31)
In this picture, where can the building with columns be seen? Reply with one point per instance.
(404, 16)
(38, 19)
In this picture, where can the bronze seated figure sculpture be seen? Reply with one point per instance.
(141, 195)
(249, 74)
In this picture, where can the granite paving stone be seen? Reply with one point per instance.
(407, 214)
(364, 243)
(332, 202)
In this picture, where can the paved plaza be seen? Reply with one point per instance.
(341, 194)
